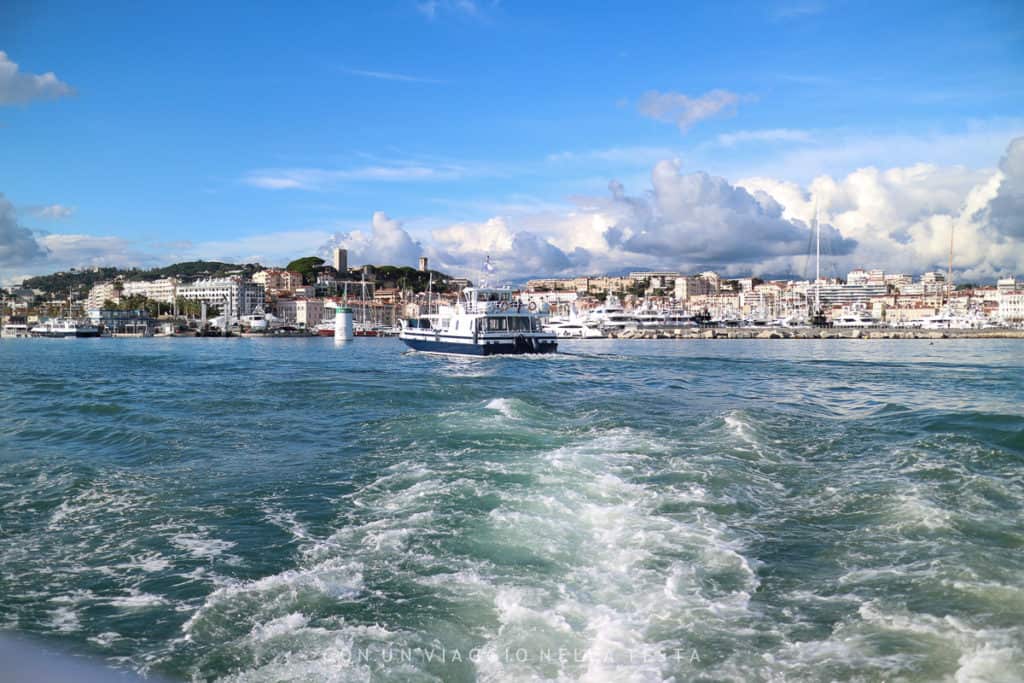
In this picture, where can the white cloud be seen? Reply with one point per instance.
(900, 219)
(53, 211)
(387, 243)
(685, 111)
(320, 178)
(769, 135)
(637, 155)
(794, 10)
(390, 76)
(79, 251)
(432, 8)
(903, 218)
(20, 88)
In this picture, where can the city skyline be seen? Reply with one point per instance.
(612, 140)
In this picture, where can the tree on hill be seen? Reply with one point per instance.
(306, 266)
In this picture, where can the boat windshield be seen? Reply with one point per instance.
(510, 323)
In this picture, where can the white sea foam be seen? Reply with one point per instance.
(105, 639)
(136, 599)
(200, 546)
(503, 406)
(65, 620)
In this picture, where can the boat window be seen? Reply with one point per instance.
(424, 323)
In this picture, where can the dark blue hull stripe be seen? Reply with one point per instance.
(477, 349)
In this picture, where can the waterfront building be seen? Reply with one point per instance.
(304, 313)
(164, 290)
(242, 297)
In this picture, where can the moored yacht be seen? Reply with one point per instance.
(570, 328)
(484, 322)
(65, 328)
(612, 317)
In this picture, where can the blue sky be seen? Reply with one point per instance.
(242, 130)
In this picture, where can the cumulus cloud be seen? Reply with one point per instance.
(685, 111)
(17, 87)
(18, 246)
(903, 219)
(900, 219)
(387, 243)
(1006, 210)
(516, 252)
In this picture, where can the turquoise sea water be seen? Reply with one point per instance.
(272, 510)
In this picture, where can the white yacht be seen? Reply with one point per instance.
(572, 328)
(949, 321)
(483, 322)
(612, 317)
(856, 319)
(14, 331)
(65, 328)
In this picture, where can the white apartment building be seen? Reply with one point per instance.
(1007, 284)
(158, 290)
(102, 292)
(240, 296)
(1011, 305)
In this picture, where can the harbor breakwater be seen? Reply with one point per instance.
(815, 333)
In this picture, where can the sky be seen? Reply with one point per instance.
(556, 138)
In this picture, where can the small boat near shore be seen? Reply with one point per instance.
(65, 328)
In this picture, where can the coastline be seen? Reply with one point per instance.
(816, 333)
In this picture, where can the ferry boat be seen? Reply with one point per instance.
(484, 321)
(65, 328)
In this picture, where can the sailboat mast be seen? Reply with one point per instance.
(817, 260)
(949, 272)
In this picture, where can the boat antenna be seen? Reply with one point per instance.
(430, 290)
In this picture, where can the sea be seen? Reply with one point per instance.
(702, 510)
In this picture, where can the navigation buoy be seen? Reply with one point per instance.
(343, 324)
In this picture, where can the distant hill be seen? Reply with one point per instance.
(80, 281)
